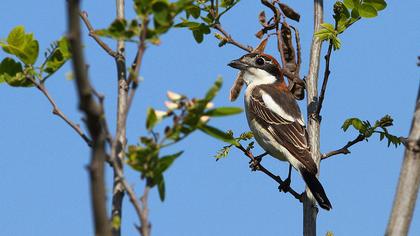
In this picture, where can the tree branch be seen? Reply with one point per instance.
(325, 81)
(261, 168)
(230, 40)
(93, 119)
(310, 210)
(92, 34)
(409, 181)
(135, 67)
(57, 111)
(120, 141)
(344, 150)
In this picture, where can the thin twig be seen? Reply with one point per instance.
(145, 226)
(325, 81)
(261, 168)
(92, 33)
(135, 67)
(344, 150)
(57, 111)
(230, 40)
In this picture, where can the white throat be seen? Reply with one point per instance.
(254, 77)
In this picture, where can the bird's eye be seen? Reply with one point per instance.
(259, 61)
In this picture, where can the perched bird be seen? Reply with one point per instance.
(275, 119)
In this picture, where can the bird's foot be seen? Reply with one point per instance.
(285, 186)
(254, 164)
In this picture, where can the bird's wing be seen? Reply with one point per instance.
(279, 114)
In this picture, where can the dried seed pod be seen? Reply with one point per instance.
(288, 49)
(289, 12)
(237, 87)
(261, 47)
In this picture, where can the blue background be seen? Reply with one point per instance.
(44, 183)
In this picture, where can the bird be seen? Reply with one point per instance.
(275, 119)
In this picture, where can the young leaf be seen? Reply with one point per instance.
(22, 45)
(212, 92)
(58, 57)
(223, 111)
(12, 73)
(379, 5)
(165, 162)
(216, 133)
(367, 11)
(151, 119)
(161, 189)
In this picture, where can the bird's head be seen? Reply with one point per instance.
(258, 68)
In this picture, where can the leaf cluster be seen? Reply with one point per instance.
(224, 152)
(184, 116)
(16, 70)
(367, 130)
(346, 13)
(203, 15)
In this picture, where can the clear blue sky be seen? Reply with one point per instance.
(43, 178)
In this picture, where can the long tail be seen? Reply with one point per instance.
(316, 188)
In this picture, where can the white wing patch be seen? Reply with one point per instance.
(274, 107)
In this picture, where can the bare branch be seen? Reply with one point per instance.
(120, 141)
(261, 168)
(135, 67)
(310, 210)
(145, 226)
(409, 181)
(230, 40)
(92, 113)
(344, 150)
(57, 111)
(92, 33)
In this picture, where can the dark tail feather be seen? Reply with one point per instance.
(317, 190)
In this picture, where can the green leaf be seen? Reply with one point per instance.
(357, 124)
(165, 162)
(379, 5)
(198, 36)
(22, 45)
(349, 4)
(216, 133)
(222, 153)
(12, 73)
(194, 11)
(212, 92)
(223, 111)
(160, 11)
(151, 119)
(58, 57)
(161, 188)
(367, 11)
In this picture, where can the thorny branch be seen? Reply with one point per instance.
(261, 168)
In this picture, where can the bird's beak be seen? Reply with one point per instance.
(237, 64)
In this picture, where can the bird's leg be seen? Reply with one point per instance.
(253, 164)
(286, 183)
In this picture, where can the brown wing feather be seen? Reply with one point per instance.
(290, 134)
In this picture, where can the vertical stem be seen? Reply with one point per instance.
(118, 146)
(93, 116)
(310, 210)
(408, 184)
